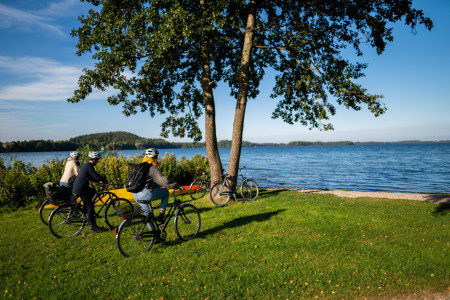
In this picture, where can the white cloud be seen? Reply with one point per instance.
(61, 8)
(23, 20)
(43, 79)
(46, 79)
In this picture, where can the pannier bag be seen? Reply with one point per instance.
(57, 194)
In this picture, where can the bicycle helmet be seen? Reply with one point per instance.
(152, 152)
(93, 155)
(74, 154)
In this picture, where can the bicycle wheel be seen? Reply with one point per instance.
(45, 209)
(135, 237)
(249, 190)
(201, 190)
(220, 194)
(100, 201)
(187, 222)
(66, 221)
(115, 211)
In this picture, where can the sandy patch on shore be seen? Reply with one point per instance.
(436, 198)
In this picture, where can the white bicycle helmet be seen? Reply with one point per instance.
(93, 155)
(74, 154)
(152, 152)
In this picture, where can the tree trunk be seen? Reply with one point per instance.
(212, 150)
(241, 101)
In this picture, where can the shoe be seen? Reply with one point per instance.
(160, 218)
(95, 228)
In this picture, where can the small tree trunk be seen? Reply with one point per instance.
(212, 150)
(241, 101)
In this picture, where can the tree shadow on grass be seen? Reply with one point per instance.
(265, 193)
(242, 221)
(442, 199)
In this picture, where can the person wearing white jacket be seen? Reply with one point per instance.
(71, 170)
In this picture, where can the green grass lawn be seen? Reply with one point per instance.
(286, 245)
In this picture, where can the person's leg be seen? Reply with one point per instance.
(86, 197)
(143, 195)
(163, 194)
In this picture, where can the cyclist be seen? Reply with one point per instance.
(71, 170)
(152, 190)
(81, 187)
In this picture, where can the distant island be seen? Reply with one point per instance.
(120, 140)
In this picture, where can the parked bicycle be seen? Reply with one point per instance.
(69, 219)
(138, 233)
(102, 203)
(200, 186)
(221, 192)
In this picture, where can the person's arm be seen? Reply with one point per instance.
(76, 168)
(162, 180)
(95, 176)
(73, 171)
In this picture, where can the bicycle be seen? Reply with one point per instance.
(103, 199)
(68, 220)
(138, 233)
(221, 192)
(200, 186)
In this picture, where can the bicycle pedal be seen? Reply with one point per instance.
(159, 241)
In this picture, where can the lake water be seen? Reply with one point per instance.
(421, 168)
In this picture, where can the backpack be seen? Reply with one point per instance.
(57, 194)
(137, 177)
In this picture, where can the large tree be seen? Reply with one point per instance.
(162, 57)
(303, 41)
(167, 57)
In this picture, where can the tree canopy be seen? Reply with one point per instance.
(167, 56)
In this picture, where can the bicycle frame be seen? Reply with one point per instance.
(105, 203)
(162, 226)
(241, 178)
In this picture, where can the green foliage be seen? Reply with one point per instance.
(114, 168)
(22, 185)
(158, 43)
(163, 45)
(37, 145)
(117, 140)
(46, 173)
(184, 170)
(15, 185)
(285, 245)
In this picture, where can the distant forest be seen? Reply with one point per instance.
(120, 140)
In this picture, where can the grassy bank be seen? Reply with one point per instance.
(284, 245)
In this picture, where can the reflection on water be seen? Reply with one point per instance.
(395, 168)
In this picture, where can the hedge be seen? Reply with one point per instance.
(21, 184)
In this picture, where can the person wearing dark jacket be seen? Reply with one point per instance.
(81, 187)
(155, 180)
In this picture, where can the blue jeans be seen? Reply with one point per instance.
(150, 195)
(67, 185)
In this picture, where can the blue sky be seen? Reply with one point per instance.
(39, 71)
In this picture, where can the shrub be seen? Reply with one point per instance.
(22, 184)
(16, 189)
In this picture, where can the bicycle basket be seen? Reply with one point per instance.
(57, 194)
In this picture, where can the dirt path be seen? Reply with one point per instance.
(436, 198)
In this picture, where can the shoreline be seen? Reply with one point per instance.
(440, 198)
